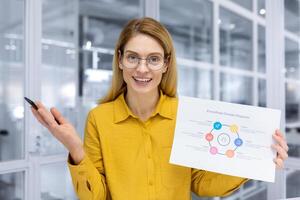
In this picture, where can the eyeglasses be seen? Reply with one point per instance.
(153, 62)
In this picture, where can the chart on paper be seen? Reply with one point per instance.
(225, 138)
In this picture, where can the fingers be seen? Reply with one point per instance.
(40, 105)
(46, 115)
(281, 141)
(279, 163)
(278, 132)
(38, 117)
(281, 148)
(58, 116)
(281, 152)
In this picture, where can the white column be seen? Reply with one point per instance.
(275, 77)
(33, 32)
(216, 50)
(151, 9)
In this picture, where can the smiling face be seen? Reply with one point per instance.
(142, 79)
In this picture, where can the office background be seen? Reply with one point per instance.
(60, 51)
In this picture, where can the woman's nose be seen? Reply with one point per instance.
(142, 66)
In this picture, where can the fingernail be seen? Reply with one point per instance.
(278, 131)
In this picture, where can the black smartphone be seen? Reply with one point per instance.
(31, 103)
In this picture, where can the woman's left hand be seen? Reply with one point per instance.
(281, 148)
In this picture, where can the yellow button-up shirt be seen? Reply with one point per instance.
(128, 159)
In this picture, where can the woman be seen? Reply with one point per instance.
(128, 136)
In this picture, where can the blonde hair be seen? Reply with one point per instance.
(157, 31)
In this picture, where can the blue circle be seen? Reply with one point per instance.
(238, 142)
(217, 125)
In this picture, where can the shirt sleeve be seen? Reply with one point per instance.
(206, 183)
(88, 177)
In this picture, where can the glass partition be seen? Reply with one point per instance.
(59, 65)
(56, 182)
(12, 186)
(235, 40)
(190, 25)
(12, 74)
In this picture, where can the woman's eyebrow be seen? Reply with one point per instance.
(130, 51)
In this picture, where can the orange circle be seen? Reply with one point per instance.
(229, 153)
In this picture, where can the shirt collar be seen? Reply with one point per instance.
(122, 111)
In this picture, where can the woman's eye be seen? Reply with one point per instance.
(132, 58)
(154, 59)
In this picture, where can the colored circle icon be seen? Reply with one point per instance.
(229, 153)
(209, 137)
(234, 128)
(213, 150)
(223, 139)
(238, 142)
(217, 125)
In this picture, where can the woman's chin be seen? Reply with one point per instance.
(144, 90)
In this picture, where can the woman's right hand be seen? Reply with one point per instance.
(63, 131)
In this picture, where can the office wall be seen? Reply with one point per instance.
(221, 54)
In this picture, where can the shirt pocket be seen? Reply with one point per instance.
(173, 176)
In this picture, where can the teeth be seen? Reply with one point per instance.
(142, 79)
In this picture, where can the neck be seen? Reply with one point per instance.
(142, 105)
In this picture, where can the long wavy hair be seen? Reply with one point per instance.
(156, 30)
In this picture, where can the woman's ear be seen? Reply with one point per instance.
(165, 69)
(119, 60)
(166, 65)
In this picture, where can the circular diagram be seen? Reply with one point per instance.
(224, 139)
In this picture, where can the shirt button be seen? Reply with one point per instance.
(149, 156)
(150, 182)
